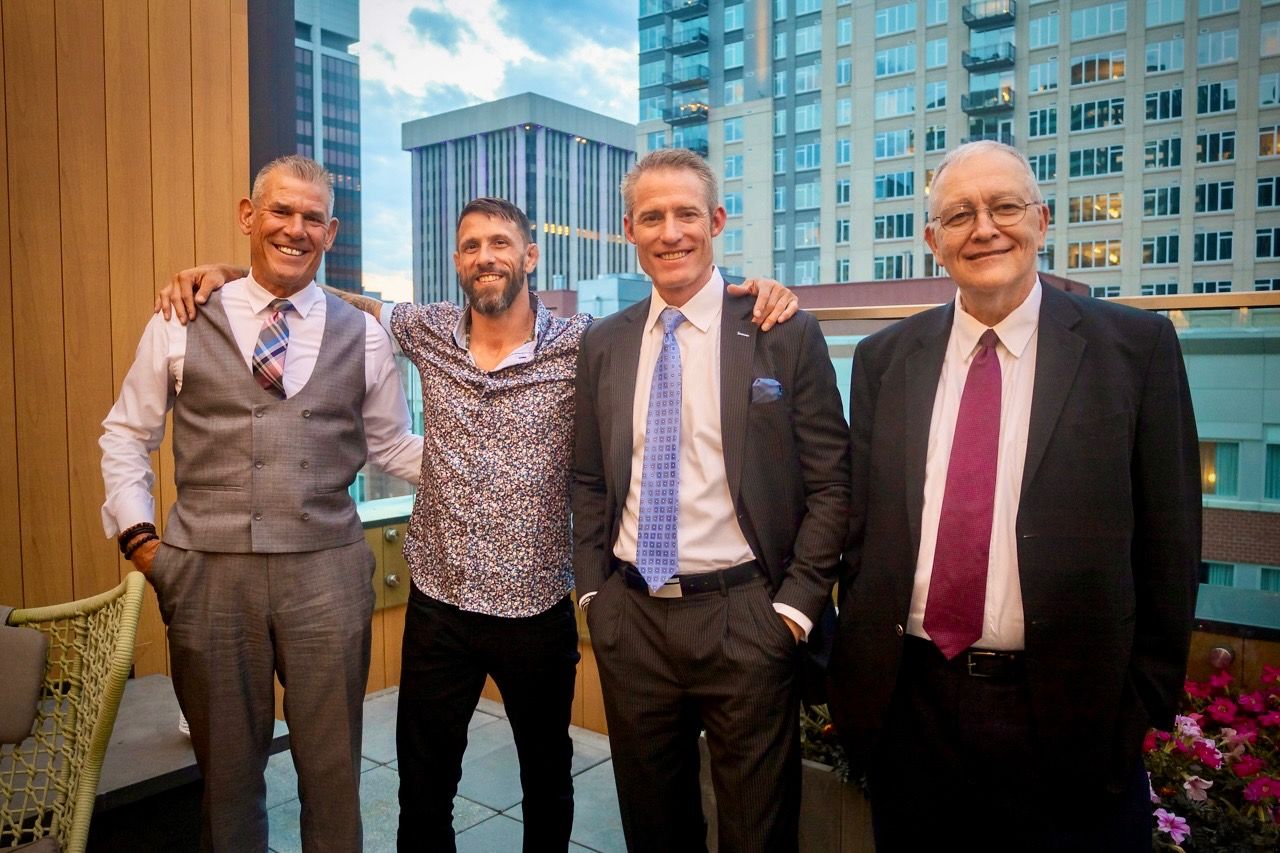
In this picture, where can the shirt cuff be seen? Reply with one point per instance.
(384, 318)
(805, 623)
(585, 600)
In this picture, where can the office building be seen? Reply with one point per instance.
(327, 75)
(1152, 125)
(559, 163)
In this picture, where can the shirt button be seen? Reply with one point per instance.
(899, 630)
(257, 516)
(306, 464)
(306, 516)
(257, 413)
(306, 413)
(258, 464)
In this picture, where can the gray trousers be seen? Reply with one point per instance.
(235, 620)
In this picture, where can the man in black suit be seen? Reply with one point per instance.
(710, 506)
(1025, 535)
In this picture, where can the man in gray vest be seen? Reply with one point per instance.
(263, 569)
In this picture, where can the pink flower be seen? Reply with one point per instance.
(1196, 788)
(1252, 702)
(1270, 719)
(1208, 754)
(1187, 726)
(1222, 709)
(1149, 742)
(1264, 787)
(1196, 689)
(1270, 674)
(1164, 736)
(1221, 679)
(1169, 823)
(1182, 746)
(1246, 730)
(1247, 765)
(1151, 790)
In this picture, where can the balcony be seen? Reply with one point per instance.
(697, 146)
(989, 58)
(988, 101)
(989, 14)
(687, 8)
(686, 113)
(689, 40)
(689, 76)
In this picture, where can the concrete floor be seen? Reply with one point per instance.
(486, 812)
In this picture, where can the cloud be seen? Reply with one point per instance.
(438, 27)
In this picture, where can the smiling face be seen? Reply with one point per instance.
(289, 229)
(994, 266)
(493, 260)
(672, 229)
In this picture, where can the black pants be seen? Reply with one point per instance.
(447, 653)
(956, 768)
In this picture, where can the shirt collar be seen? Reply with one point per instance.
(260, 298)
(703, 309)
(541, 320)
(1015, 331)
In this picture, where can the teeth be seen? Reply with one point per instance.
(487, 277)
(288, 250)
(671, 256)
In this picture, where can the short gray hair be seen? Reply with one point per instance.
(295, 166)
(675, 160)
(968, 149)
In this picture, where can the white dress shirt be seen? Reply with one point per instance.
(135, 426)
(708, 533)
(1002, 623)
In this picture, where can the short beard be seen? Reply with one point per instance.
(493, 304)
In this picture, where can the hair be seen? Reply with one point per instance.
(498, 208)
(671, 159)
(296, 166)
(980, 146)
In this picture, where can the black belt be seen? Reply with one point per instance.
(978, 663)
(695, 584)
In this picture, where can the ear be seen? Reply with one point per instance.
(530, 258)
(628, 229)
(1044, 222)
(931, 239)
(244, 216)
(717, 221)
(333, 233)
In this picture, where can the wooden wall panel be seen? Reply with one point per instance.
(212, 157)
(240, 115)
(31, 99)
(85, 263)
(10, 544)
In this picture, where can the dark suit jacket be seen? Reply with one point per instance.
(1108, 529)
(787, 460)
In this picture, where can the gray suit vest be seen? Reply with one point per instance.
(261, 475)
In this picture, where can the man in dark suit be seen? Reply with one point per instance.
(709, 508)
(1025, 535)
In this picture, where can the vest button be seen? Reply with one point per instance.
(306, 516)
(306, 413)
(897, 629)
(306, 464)
(258, 464)
(257, 516)
(257, 413)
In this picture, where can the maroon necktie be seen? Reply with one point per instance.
(958, 587)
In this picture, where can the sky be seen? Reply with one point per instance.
(423, 57)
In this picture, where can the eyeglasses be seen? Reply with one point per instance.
(1003, 213)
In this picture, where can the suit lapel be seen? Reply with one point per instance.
(1058, 354)
(924, 366)
(624, 356)
(737, 352)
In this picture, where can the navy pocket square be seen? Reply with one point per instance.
(764, 390)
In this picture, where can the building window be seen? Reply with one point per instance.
(935, 95)
(894, 143)
(808, 195)
(1216, 197)
(1211, 286)
(1093, 254)
(895, 102)
(779, 10)
(1104, 291)
(1164, 12)
(843, 187)
(806, 235)
(895, 19)
(652, 38)
(935, 137)
(779, 238)
(1089, 162)
(731, 240)
(1267, 284)
(888, 267)
(1043, 76)
(1219, 466)
(842, 270)
(1043, 31)
(935, 53)
(1098, 20)
(1269, 580)
(732, 130)
(779, 199)
(808, 156)
(1268, 243)
(1212, 246)
(933, 269)
(809, 117)
(1222, 46)
(733, 18)
(1163, 288)
(1164, 105)
(896, 60)
(1161, 201)
(895, 185)
(935, 12)
(1163, 153)
(1269, 90)
(1216, 147)
(842, 231)
(1216, 97)
(779, 161)
(1160, 250)
(1217, 574)
(780, 122)
(1096, 207)
(733, 166)
(894, 226)
(733, 93)
(808, 39)
(1165, 56)
(1217, 7)
(1097, 67)
(1269, 191)
(657, 139)
(733, 55)
(1043, 122)
(844, 31)
(1271, 476)
(844, 112)
(652, 107)
(804, 7)
(1095, 115)
(808, 78)
(779, 45)
(1044, 166)
(1269, 141)
(844, 71)
(733, 204)
(780, 83)
(806, 272)
(844, 151)
(1270, 42)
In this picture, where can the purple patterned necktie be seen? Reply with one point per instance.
(269, 352)
(657, 555)
(958, 587)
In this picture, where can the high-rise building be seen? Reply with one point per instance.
(825, 120)
(328, 91)
(558, 163)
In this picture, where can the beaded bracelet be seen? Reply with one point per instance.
(150, 537)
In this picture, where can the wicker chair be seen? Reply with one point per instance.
(48, 782)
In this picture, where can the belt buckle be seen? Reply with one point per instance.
(670, 589)
(969, 661)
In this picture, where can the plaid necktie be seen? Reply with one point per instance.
(268, 354)
(958, 587)
(657, 556)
